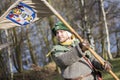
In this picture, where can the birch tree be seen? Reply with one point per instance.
(85, 23)
(9, 56)
(106, 28)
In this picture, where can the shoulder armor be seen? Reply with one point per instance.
(59, 48)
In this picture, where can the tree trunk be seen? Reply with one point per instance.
(117, 44)
(18, 54)
(32, 54)
(9, 57)
(4, 72)
(85, 25)
(106, 28)
(51, 24)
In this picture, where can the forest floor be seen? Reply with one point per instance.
(49, 72)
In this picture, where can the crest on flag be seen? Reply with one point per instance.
(21, 14)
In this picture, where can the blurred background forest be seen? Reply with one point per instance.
(22, 48)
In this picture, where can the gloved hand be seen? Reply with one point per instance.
(107, 66)
(84, 44)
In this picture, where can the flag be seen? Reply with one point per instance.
(23, 12)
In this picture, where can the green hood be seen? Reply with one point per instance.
(59, 26)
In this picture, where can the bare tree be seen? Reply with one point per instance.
(117, 42)
(106, 28)
(17, 48)
(32, 54)
(9, 56)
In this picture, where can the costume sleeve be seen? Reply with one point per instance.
(56, 52)
(96, 63)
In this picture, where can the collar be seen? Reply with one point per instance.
(68, 43)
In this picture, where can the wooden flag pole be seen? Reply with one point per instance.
(78, 36)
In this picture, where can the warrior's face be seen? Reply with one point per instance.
(62, 36)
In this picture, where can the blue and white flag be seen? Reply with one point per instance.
(21, 14)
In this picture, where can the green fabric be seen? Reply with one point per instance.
(60, 48)
(59, 26)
